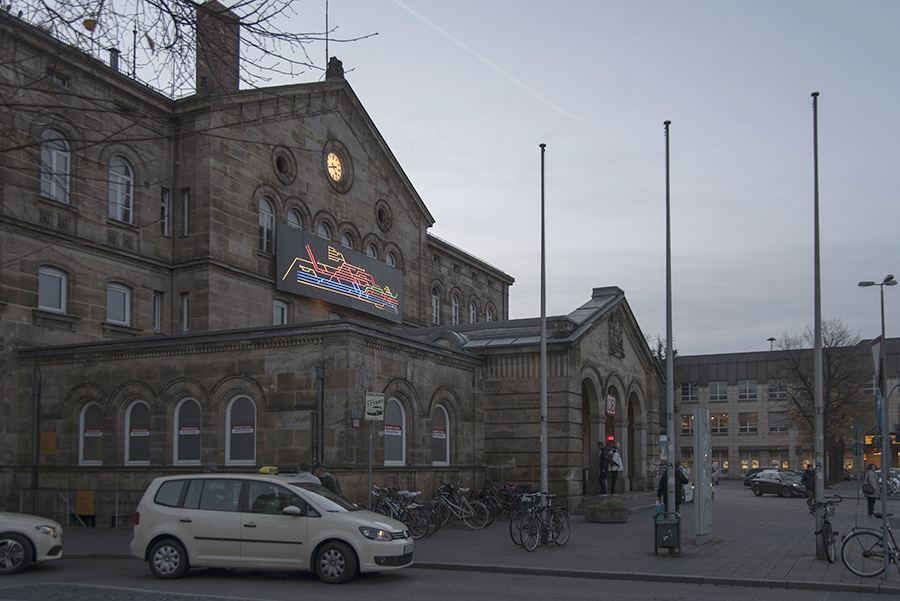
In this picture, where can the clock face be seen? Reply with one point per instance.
(334, 165)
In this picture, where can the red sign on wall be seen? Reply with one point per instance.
(610, 405)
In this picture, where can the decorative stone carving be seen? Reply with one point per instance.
(616, 329)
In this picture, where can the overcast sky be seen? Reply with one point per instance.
(465, 91)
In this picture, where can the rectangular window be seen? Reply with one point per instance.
(157, 311)
(718, 391)
(185, 212)
(164, 212)
(720, 460)
(57, 79)
(689, 393)
(777, 388)
(870, 386)
(687, 424)
(746, 390)
(718, 423)
(117, 304)
(778, 421)
(185, 311)
(747, 423)
(51, 290)
(279, 313)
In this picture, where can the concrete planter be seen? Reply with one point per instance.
(614, 515)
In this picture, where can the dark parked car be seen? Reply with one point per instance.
(751, 474)
(783, 483)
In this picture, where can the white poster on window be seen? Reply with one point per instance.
(439, 433)
(140, 431)
(93, 432)
(247, 429)
(391, 430)
(188, 430)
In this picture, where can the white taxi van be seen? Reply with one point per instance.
(261, 521)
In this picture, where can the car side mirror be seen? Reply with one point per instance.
(292, 510)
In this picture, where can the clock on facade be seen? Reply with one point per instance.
(338, 168)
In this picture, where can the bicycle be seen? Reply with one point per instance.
(518, 515)
(533, 526)
(863, 551)
(414, 517)
(452, 502)
(828, 533)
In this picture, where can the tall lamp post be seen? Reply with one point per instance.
(885, 416)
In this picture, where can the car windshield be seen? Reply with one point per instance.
(789, 476)
(324, 498)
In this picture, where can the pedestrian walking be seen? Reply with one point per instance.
(616, 465)
(871, 488)
(662, 491)
(604, 466)
(304, 475)
(808, 479)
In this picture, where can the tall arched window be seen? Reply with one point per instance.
(489, 314)
(187, 435)
(473, 313)
(294, 220)
(435, 306)
(266, 226)
(54, 166)
(394, 433)
(137, 434)
(454, 312)
(90, 438)
(121, 186)
(240, 433)
(440, 436)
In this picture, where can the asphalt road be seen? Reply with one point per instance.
(121, 580)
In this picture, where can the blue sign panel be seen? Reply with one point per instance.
(317, 268)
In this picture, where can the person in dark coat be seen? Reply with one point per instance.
(808, 479)
(604, 466)
(327, 480)
(662, 491)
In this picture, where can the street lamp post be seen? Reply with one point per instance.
(885, 417)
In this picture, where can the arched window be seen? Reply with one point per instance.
(137, 434)
(440, 436)
(187, 433)
(394, 433)
(54, 166)
(121, 185)
(266, 226)
(391, 259)
(324, 231)
(489, 314)
(435, 306)
(90, 447)
(473, 313)
(51, 290)
(294, 219)
(240, 432)
(346, 240)
(454, 310)
(371, 251)
(118, 304)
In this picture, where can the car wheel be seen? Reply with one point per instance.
(168, 559)
(757, 491)
(335, 563)
(785, 492)
(15, 553)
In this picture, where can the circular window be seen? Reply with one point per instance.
(284, 164)
(383, 216)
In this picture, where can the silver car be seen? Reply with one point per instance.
(26, 539)
(264, 522)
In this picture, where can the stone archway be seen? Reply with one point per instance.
(591, 433)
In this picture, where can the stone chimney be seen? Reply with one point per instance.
(218, 49)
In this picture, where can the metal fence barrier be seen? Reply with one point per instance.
(111, 508)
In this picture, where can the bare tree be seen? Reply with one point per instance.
(845, 372)
(158, 38)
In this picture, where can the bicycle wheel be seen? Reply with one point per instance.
(530, 532)
(828, 539)
(480, 517)
(415, 519)
(863, 553)
(559, 527)
(434, 520)
(515, 522)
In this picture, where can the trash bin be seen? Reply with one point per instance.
(668, 532)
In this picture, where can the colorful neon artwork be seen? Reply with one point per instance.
(336, 275)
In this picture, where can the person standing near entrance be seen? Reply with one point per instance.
(871, 488)
(616, 465)
(604, 466)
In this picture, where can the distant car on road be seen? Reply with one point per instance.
(26, 539)
(783, 483)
